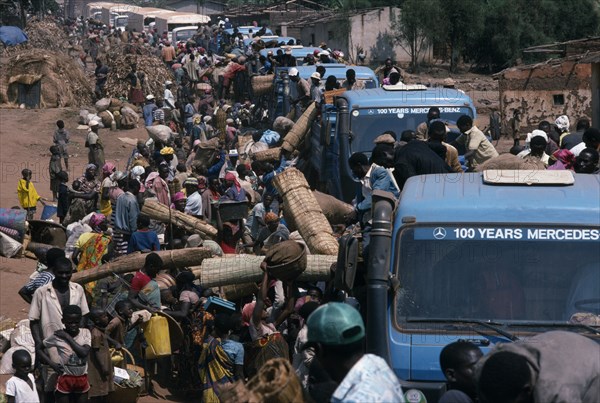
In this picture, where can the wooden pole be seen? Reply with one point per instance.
(172, 259)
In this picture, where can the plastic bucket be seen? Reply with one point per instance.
(49, 211)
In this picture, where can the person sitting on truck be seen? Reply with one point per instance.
(315, 90)
(337, 333)
(591, 138)
(437, 135)
(586, 162)
(372, 177)
(351, 83)
(423, 128)
(416, 158)
(537, 149)
(555, 366)
(302, 89)
(479, 148)
(458, 361)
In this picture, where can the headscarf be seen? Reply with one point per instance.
(229, 176)
(247, 311)
(96, 220)
(167, 151)
(178, 197)
(562, 122)
(564, 160)
(108, 168)
(90, 166)
(270, 217)
(137, 172)
(536, 133)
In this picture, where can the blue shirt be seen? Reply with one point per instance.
(147, 111)
(143, 240)
(267, 179)
(270, 137)
(234, 350)
(378, 178)
(127, 213)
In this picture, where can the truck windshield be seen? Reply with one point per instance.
(502, 274)
(367, 124)
(121, 22)
(184, 34)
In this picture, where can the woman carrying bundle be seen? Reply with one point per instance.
(267, 342)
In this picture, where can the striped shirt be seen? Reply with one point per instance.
(45, 277)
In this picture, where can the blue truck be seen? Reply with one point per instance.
(356, 118)
(279, 104)
(488, 257)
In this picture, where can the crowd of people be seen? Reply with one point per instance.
(317, 328)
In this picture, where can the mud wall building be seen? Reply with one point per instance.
(545, 91)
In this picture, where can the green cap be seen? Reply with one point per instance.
(335, 324)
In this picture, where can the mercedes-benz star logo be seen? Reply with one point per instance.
(439, 233)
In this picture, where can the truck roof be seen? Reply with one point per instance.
(451, 199)
(299, 52)
(384, 98)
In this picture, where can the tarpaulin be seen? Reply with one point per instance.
(12, 36)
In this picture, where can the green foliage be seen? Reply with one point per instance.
(413, 28)
(492, 33)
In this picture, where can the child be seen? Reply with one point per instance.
(67, 353)
(61, 138)
(62, 206)
(21, 387)
(100, 369)
(118, 327)
(55, 167)
(457, 361)
(28, 196)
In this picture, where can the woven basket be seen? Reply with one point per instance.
(237, 291)
(281, 262)
(296, 136)
(276, 382)
(303, 210)
(290, 179)
(262, 85)
(272, 154)
(335, 210)
(242, 269)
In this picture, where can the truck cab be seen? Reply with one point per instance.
(183, 34)
(489, 258)
(358, 117)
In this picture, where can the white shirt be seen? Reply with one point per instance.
(370, 380)
(169, 98)
(193, 205)
(46, 308)
(21, 391)
(578, 148)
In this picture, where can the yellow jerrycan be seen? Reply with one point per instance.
(156, 331)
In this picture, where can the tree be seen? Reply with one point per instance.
(412, 29)
(460, 23)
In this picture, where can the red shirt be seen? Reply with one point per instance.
(139, 281)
